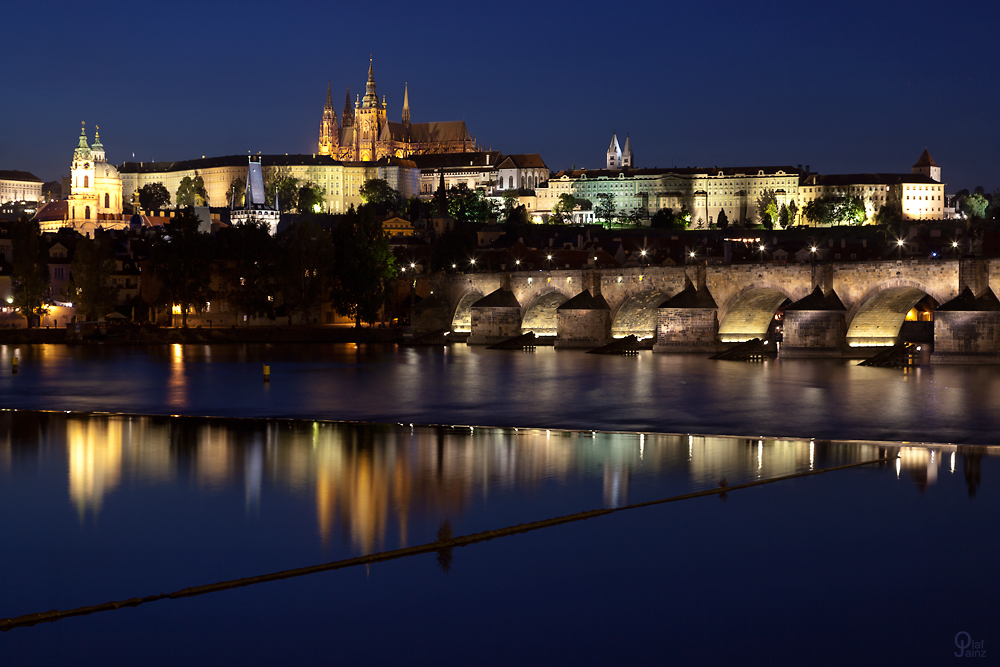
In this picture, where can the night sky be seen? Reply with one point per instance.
(843, 87)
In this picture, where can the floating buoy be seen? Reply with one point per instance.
(14, 364)
(267, 373)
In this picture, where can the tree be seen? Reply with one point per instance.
(304, 274)
(191, 192)
(852, 211)
(236, 192)
(783, 217)
(310, 199)
(91, 277)
(793, 211)
(514, 213)
(153, 197)
(820, 211)
(606, 207)
(181, 262)
(364, 266)
(562, 212)
(249, 268)
(889, 214)
(722, 221)
(30, 270)
(378, 193)
(767, 208)
(467, 205)
(974, 205)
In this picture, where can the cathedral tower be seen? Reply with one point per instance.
(614, 153)
(627, 158)
(926, 166)
(406, 106)
(369, 122)
(329, 134)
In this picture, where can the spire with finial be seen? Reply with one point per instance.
(371, 97)
(82, 147)
(329, 98)
(348, 109)
(97, 148)
(406, 105)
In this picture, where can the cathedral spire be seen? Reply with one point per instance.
(371, 97)
(348, 110)
(329, 99)
(406, 105)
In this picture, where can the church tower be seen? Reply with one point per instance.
(627, 159)
(369, 121)
(614, 153)
(329, 135)
(83, 196)
(926, 166)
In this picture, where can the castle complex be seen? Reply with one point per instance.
(364, 133)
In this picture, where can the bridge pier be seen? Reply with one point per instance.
(687, 322)
(967, 329)
(814, 326)
(583, 322)
(495, 318)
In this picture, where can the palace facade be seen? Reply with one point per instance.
(365, 134)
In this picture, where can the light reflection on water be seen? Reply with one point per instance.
(544, 389)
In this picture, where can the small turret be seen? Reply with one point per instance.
(614, 153)
(406, 106)
(627, 158)
(348, 110)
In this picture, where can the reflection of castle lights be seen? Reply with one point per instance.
(95, 461)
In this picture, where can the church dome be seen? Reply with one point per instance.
(106, 170)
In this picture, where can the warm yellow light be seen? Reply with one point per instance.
(692, 254)
(954, 244)
(643, 253)
(473, 261)
(900, 242)
(813, 248)
(548, 256)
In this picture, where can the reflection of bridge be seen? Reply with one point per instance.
(826, 308)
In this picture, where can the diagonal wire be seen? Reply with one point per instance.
(380, 557)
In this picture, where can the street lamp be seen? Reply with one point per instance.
(761, 248)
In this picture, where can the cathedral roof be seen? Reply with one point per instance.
(453, 130)
(225, 161)
(614, 147)
(926, 160)
(82, 151)
(866, 179)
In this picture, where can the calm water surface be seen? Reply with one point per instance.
(882, 563)
(546, 388)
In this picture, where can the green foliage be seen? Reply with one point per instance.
(248, 277)
(793, 211)
(91, 277)
(974, 205)
(890, 214)
(154, 197)
(191, 192)
(513, 214)
(30, 270)
(378, 193)
(310, 197)
(666, 218)
(181, 263)
(783, 217)
(305, 269)
(467, 205)
(837, 211)
(562, 212)
(364, 266)
(767, 209)
(605, 208)
(237, 192)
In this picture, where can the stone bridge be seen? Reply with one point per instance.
(824, 309)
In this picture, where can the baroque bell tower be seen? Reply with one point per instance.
(329, 134)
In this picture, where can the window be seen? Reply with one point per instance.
(86, 181)
(107, 199)
(86, 213)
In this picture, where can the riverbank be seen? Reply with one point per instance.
(164, 336)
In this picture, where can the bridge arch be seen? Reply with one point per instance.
(461, 319)
(748, 314)
(877, 317)
(540, 315)
(636, 316)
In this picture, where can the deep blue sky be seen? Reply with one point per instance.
(843, 87)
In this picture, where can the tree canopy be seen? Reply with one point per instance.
(364, 265)
(605, 211)
(91, 277)
(181, 262)
(191, 192)
(153, 197)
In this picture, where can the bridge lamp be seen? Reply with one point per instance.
(643, 253)
(900, 242)
(954, 244)
(472, 261)
(453, 265)
(518, 262)
(413, 265)
(692, 253)
(549, 257)
(762, 248)
(812, 249)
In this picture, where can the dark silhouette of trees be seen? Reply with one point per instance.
(181, 262)
(30, 270)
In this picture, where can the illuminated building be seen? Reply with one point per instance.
(339, 182)
(19, 186)
(618, 158)
(365, 134)
(919, 194)
(95, 198)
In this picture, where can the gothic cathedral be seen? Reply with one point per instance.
(365, 134)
